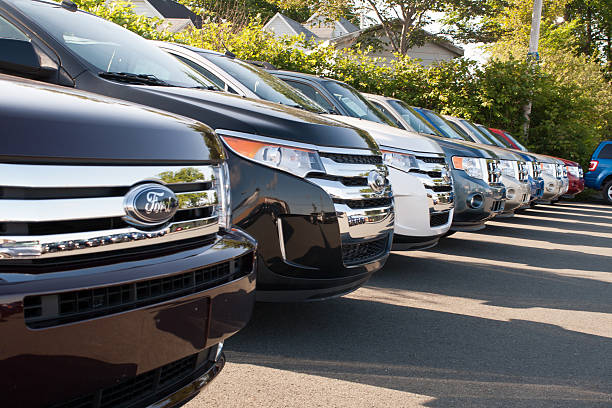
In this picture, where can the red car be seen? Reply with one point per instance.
(575, 173)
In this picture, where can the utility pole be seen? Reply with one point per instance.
(532, 56)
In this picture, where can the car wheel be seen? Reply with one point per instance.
(607, 192)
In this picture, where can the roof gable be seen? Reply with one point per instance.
(172, 9)
(282, 25)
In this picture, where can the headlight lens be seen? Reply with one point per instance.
(580, 172)
(401, 161)
(471, 165)
(224, 208)
(293, 160)
(507, 168)
(574, 171)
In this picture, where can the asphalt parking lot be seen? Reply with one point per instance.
(516, 315)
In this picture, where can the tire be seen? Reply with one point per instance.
(607, 192)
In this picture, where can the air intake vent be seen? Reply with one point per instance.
(358, 253)
(51, 310)
(438, 219)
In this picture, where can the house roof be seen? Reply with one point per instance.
(328, 29)
(434, 39)
(172, 9)
(291, 27)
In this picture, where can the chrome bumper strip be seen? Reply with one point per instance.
(49, 246)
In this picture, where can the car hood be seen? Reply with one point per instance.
(52, 124)
(454, 147)
(390, 136)
(221, 110)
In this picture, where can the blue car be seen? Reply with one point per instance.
(599, 175)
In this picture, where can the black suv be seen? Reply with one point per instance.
(312, 192)
(119, 276)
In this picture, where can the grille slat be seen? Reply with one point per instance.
(435, 160)
(86, 304)
(347, 181)
(441, 189)
(358, 253)
(352, 158)
(365, 203)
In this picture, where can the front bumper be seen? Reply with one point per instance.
(575, 186)
(76, 332)
(537, 188)
(518, 194)
(553, 188)
(476, 201)
(315, 242)
(422, 215)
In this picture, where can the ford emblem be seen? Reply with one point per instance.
(150, 204)
(376, 181)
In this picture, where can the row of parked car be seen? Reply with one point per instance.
(151, 192)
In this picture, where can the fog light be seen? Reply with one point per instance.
(550, 187)
(475, 201)
(510, 193)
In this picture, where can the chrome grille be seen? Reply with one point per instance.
(434, 173)
(493, 171)
(523, 172)
(48, 211)
(364, 215)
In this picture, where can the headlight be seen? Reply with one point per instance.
(401, 161)
(471, 165)
(224, 208)
(507, 168)
(580, 172)
(293, 160)
(574, 171)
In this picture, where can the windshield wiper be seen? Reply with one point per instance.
(140, 79)
(206, 87)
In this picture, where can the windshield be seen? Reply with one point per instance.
(516, 142)
(480, 138)
(442, 125)
(413, 118)
(109, 47)
(492, 137)
(354, 103)
(262, 83)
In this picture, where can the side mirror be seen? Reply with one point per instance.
(21, 57)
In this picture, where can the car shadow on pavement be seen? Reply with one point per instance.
(570, 225)
(474, 322)
(568, 215)
(516, 230)
(497, 250)
(503, 286)
(459, 360)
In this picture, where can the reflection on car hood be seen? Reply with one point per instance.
(390, 136)
(231, 112)
(46, 123)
